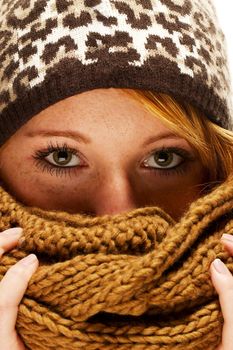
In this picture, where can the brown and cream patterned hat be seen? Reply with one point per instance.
(53, 49)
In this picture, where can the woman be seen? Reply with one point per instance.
(119, 149)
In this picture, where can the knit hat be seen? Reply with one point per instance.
(53, 49)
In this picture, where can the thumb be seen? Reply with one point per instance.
(12, 288)
(223, 282)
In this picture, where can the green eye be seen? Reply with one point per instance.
(164, 160)
(63, 158)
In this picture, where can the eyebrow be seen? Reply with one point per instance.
(165, 135)
(77, 136)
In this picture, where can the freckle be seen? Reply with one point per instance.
(55, 189)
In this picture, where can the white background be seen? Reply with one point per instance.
(225, 15)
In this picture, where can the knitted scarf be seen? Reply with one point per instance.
(138, 280)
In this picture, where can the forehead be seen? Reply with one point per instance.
(97, 110)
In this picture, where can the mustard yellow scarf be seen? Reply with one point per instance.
(133, 281)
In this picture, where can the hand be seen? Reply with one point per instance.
(223, 282)
(12, 288)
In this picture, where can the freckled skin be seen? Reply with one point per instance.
(113, 179)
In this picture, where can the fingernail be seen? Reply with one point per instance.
(220, 266)
(15, 231)
(227, 237)
(28, 260)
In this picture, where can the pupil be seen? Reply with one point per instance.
(164, 158)
(62, 157)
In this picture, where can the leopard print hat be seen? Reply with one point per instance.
(53, 49)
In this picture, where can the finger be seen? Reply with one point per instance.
(12, 289)
(227, 241)
(223, 283)
(9, 239)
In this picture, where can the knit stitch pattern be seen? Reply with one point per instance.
(137, 280)
(53, 49)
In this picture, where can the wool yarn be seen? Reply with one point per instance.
(137, 280)
(53, 49)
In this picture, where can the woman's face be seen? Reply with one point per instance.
(100, 152)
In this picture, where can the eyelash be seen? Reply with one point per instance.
(180, 169)
(45, 166)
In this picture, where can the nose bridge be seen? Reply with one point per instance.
(114, 195)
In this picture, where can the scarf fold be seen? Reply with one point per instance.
(137, 280)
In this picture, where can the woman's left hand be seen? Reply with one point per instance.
(223, 282)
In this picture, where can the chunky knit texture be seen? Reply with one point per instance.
(52, 49)
(135, 281)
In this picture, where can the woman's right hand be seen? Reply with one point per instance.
(12, 288)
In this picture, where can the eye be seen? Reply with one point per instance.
(63, 158)
(58, 158)
(164, 159)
